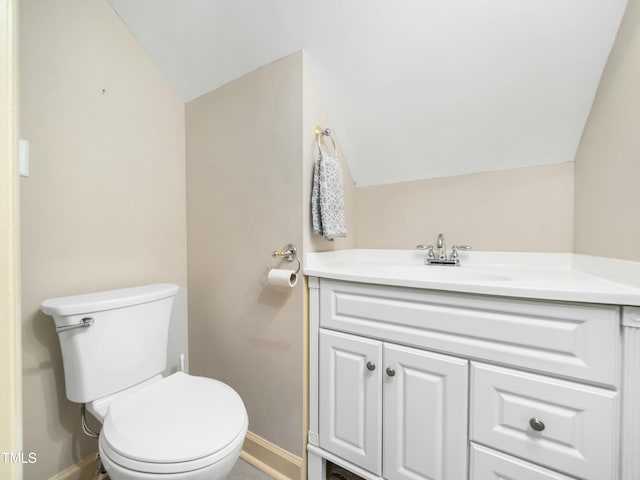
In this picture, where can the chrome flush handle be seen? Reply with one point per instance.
(85, 323)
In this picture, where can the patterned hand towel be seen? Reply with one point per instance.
(327, 199)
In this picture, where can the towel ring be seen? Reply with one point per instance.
(326, 132)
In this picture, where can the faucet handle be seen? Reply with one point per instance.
(428, 248)
(455, 248)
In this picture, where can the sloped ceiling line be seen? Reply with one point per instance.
(455, 87)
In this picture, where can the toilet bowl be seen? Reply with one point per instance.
(114, 349)
(181, 427)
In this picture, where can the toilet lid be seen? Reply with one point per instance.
(179, 419)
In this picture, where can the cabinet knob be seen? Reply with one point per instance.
(371, 366)
(536, 424)
(390, 371)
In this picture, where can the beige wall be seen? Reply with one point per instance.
(250, 157)
(10, 379)
(608, 159)
(104, 206)
(244, 197)
(526, 209)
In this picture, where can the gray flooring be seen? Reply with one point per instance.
(243, 471)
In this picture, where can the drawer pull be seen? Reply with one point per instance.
(390, 371)
(371, 366)
(536, 424)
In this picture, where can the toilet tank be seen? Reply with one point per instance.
(125, 344)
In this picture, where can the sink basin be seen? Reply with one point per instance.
(461, 274)
(436, 273)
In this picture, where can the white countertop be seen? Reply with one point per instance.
(546, 276)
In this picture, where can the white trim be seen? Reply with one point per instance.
(10, 333)
(342, 463)
(316, 466)
(314, 282)
(630, 426)
(305, 378)
(84, 469)
(631, 317)
(271, 459)
(314, 325)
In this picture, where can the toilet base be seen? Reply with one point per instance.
(217, 471)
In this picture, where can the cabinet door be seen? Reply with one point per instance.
(350, 398)
(425, 415)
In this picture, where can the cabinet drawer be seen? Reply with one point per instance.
(487, 464)
(577, 424)
(565, 339)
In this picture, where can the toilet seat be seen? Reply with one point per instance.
(178, 424)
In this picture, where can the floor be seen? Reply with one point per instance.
(243, 471)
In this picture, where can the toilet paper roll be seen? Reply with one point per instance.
(282, 278)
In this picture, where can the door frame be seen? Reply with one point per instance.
(10, 325)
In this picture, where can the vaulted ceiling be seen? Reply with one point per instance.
(414, 88)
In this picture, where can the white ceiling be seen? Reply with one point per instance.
(414, 88)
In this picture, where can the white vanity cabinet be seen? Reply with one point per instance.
(417, 384)
(395, 411)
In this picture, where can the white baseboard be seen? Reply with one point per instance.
(84, 469)
(271, 459)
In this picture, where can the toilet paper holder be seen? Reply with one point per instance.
(288, 253)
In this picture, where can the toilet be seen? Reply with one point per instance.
(114, 348)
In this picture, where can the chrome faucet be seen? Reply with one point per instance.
(442, 248)
(441, 259)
